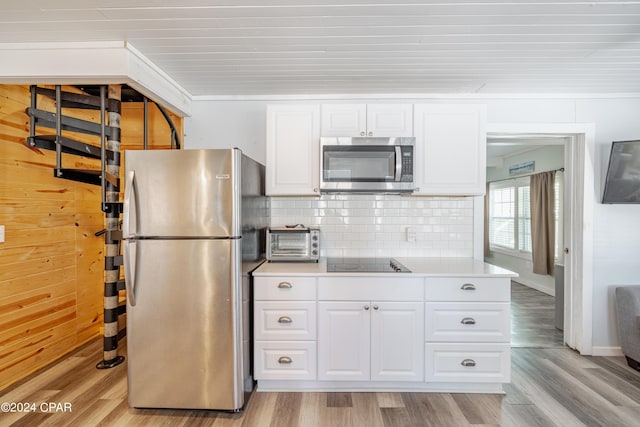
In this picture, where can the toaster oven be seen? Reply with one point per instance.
(293, 243)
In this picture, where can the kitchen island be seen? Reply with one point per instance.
(442, 327)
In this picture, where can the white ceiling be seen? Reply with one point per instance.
(308, 47)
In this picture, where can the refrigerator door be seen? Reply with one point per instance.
(182, 193)
(185, 331)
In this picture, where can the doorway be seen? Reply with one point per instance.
(578, 235)
(536, 299)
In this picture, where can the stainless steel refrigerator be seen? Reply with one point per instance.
(193, 228)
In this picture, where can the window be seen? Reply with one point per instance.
(510, 215)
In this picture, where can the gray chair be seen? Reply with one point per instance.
(628, 311)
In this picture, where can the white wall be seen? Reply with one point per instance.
(227, 125)
(616, 227)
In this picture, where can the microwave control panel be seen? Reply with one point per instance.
(407, 163)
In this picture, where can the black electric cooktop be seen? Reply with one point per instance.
(365, 265)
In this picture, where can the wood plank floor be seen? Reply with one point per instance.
(533, 318)
(551, 386)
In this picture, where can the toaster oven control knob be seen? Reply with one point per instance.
(314, 252)
(314, 237)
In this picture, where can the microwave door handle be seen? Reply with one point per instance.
(398, 163)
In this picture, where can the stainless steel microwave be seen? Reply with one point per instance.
(293, 243)
(367, 164)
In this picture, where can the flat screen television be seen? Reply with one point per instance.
(622, 183)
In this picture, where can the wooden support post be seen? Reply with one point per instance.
(113, 260)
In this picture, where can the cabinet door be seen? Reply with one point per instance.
(450, 149)
(389, 120)
(344, 119)
(397, 337)
(293, 150)
(343, 340)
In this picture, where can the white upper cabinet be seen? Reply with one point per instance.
(450, 153)
(367, 120)
(293, 150)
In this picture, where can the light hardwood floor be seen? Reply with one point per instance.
(551, 386)
(533, 318)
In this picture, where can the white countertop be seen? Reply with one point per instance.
(439, 267)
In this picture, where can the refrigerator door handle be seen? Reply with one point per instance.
(129, 255)
(129, 204)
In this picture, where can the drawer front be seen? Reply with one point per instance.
(471, 289)
(468, 363)
(467, 322)
(390, 288)
(284, 288)
(285, 320)
(285, 360)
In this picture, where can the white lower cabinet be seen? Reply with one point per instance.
(285, 360)
(396, 331)
(344, 340)
(369, 340)
(284, 327)
(467, 322)
(467, 330)
(468, 363)
(441, 334)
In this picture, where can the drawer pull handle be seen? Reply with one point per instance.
(468, 287)
(285, 319)
(284, 360)
(285, 285)
(468, 321)
(468, 362)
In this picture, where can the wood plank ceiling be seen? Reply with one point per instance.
(307, 47)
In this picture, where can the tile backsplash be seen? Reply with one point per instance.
(354, 225)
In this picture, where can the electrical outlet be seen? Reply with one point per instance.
(411, 234)
(1, 233)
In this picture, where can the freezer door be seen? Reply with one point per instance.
(185, 331)
(182, 193)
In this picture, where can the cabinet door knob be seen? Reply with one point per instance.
(370, 133)
(285, 285)
(468, 362)
(285, 319)
(362, 133)
(366, 307)
(375, 307)
(315, 189)
(468, 321)
(284, 360)
(468, 287)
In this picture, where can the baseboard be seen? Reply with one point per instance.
(607, 351)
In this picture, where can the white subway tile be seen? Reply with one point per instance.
(374, 225)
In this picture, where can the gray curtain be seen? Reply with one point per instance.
(543, 233)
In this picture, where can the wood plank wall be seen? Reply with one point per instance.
(51, 264)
